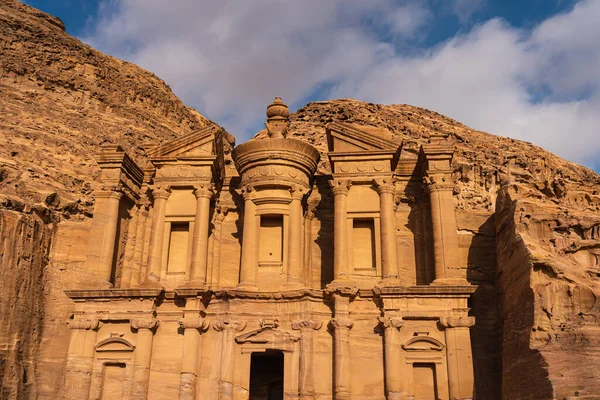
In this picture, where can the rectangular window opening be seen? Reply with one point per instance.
(178, 247)
(270, 252)
(363, 242)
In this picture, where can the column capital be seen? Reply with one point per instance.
(144, 323)
(160, 192)
(384, 185)
(457, 322)
(341, 323)
(204, 191)
(340, 186)
(247, 192)
(109, 193)
(297, 192)
(83, 324)
(307, 324)
(198, 323)
(391, 322)
(436, 184)
(228, 324)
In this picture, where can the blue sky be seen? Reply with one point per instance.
(527, 69)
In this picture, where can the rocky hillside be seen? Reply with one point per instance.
(60, 100)
(537, 335)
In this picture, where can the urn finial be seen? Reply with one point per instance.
(278, 116)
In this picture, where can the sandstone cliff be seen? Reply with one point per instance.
(529, 222)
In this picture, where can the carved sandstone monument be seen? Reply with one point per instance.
(347, 251)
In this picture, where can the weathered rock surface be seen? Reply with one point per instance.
(529, 222)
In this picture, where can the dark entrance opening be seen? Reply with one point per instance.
(266, 376)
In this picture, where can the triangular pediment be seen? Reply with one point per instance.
(197, 144)
(342, 137)
(267, 336)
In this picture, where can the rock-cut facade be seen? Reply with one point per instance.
(254, 275)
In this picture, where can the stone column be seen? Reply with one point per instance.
(389, 247)
(138, 251)
(445, 236)
(219, 218)
(393, 357)
(294, 271)
(192, 329)
(103, 234)
(156, 237)
(340, 230)
(341, 363)
(459, 357)
(80, 359)
(249, 265)
(307, 328)
(200, 246)
(228, 329)
(127, 270)
(142, 357)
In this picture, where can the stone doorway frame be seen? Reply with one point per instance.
(268, 338)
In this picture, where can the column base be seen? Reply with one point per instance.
(399, 396)
(390, 281)
(450, 282)
(195, 284)
(151, 285)
(247, 287)
(293, 285)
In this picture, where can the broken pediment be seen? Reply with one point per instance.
(423, 343)
(342, 137)
(114, 344)
(197, 144)
(267, 335)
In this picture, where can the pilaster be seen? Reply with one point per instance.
(203, 194)
(228, 328)
(143, 355)
(459, 356)
(340, 188)
(80, 359)
(192, 333)
(393, 356)
(294, 272)
(249, 264)
(103, 234)
(161, 195)
(389, 249)
(307, 327)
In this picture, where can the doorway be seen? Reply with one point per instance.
(266, 376)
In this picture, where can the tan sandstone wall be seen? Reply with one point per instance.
(24, 246)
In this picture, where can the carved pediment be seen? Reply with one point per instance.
(267, 335)
(423, 343)
(343, 137)
(114, 344)
(197, 144)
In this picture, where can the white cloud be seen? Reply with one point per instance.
(464, 9)
(230, 58)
